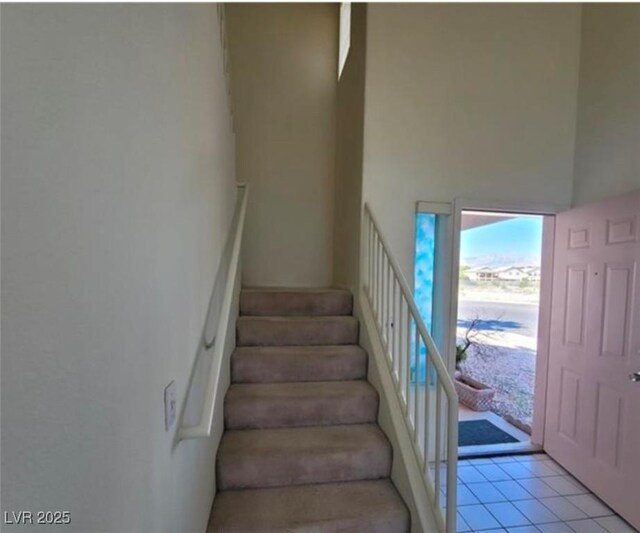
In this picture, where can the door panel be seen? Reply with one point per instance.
(607, 426)
(575, 301)
(616, 309)
(592, 424)
(569, 403)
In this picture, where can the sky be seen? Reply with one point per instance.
(515, 241)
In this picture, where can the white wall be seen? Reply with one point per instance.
(608, 133)
(284, 66)
(117, 194)
(349, 147)
(473, 101)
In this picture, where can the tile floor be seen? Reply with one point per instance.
(528, 494)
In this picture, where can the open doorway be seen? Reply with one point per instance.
(500, 265)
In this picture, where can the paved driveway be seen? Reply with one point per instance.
(520, 318)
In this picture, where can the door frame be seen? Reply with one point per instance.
(546, 285)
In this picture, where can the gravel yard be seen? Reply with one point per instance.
(510, 370)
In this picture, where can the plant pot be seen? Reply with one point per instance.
(473, 394)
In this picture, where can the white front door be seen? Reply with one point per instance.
(592, 422)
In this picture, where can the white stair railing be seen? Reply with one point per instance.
(423, 384)
(203, 428)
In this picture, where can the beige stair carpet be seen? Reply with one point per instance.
(302, 450)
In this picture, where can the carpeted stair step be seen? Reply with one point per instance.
(296, 331)
(280, 457)
(357, 506)
(276, 405)
(275, 364)
(295, 302)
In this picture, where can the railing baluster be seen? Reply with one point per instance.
(375, 273)
(379, 276)
(372, 254)
(370, 257)
(387, 317)
(381, 297)
(427, 408)
(385, 302)
(380, 279)
(387, 323)
(400, 324)
(438, 449)
(386, 305)
(407, 367)
(384, 295)
(452, 470)
(416, 368)
(394, 332)
(382, 259)
(422, 431)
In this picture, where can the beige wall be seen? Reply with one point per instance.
(284, 71)
(608, 133)
(473, 101)
(349, 146)
(117, 194)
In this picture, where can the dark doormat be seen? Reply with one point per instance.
(478, 432)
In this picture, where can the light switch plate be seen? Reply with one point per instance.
(169, 405)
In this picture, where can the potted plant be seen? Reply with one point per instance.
(472, 393)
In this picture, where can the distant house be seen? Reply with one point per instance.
(511, 274)
(533, 273)
(481, 274)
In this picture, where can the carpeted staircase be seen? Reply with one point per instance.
(302, 450)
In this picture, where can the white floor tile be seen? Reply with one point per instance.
(537, 487)
(465, 496)
(469, 474)
(523, 529)
(486, 492)
(586, 526)
(478, 517)
(512, 490)
(557, 527)
(615, 524)
(507, 514)
(517, 470)
(540, 469)
(461, 524)
(563, 508)
(565, 485)
(493, 472)
(556, 467)
(590, 505)
(536, 512)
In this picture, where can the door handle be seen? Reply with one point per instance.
(635, 377)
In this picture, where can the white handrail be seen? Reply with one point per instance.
(203, 428)
(403, 333)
